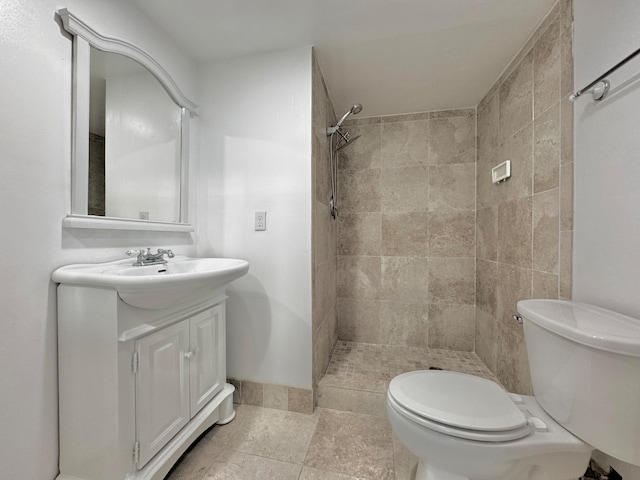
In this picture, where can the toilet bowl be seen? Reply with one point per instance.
(463, 427)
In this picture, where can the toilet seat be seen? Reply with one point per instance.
(458, 404)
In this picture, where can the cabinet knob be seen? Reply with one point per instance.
(188, 355)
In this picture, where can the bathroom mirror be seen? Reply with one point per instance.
(130, 137)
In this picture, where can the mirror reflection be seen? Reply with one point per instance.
(134, 142)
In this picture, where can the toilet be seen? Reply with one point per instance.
(584, 363)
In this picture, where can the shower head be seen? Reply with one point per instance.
(357, 108)
(347, 142)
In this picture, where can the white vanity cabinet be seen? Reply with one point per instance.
(137, 386)
(177, 373)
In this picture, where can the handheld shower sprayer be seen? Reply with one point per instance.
(357, 108)
(333, 149)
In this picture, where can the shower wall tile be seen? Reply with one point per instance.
(513, 284)
(451, 281)
(566, 17)
(546, 231)
(404, 279)
(546, 150)
(322, 234)
(566, 131)
(404, 144)
(405, 234)
(452, 187)
(358, 277)
(456, 112)
(360, 120)
(405, 117)
(324, 291)
(487, 286)
(514, 232)
(332, 326)
(566, 263)
(322, 116)
(426, 209)
(512, 362)
(452, 234)
(489, 125)
(323, 251)
(359, 190)
(566, 54)
(486, 345)
(516, 98)
(404, 189)
(544, 285)
(452, 327)
(515, 63)
(487, 233)
(452, 140)
(322, 352)
(358, 320)
(518, 148)
(362, 152)
(488, 150)
(550, 18)
(524, 224)
(359, 233)
(404, 323)
(547, 68)
(322, 172)
(566, 196)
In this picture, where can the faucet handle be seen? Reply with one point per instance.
(139, 255)
(169, 253)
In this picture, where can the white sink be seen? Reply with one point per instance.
(155, 286)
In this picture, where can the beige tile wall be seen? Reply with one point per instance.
(524, 226)
(406, 231)
(324, 334)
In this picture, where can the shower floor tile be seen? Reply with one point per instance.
(369, 367)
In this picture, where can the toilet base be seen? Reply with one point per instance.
(552, 455)
(429, 472)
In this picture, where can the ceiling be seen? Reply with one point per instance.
(393, 56)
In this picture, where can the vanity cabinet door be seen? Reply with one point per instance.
(207, 358)
(162, 388)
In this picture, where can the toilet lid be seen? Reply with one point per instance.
(458, 400)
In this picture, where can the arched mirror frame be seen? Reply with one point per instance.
(85, 37)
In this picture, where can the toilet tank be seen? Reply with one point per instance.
(585, 370)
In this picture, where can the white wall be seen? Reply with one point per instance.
(255, 155)
(607, 163)
(35, 133)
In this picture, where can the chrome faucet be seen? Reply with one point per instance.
(148, 258)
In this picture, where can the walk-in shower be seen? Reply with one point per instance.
(338, 139)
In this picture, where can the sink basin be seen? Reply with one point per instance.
(155, 286)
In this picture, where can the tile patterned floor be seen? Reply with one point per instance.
(265, 444)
